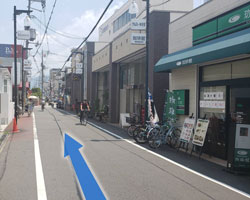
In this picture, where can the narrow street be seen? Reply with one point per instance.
(122, 170)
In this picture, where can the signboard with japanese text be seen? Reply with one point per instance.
(138, 24)
(187, 130)
(138, 38)
(200, 132)
(170, 106)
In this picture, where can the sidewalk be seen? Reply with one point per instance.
(216, 171)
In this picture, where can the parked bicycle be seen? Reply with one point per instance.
(134, 123)
(142, 133)
(164, 134)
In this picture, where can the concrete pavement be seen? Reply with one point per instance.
(123, 170)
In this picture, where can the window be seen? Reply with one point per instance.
(5, 86)
(122, 20)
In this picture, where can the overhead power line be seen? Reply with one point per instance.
(46, 29)
(100, 18)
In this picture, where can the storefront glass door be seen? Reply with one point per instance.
(213, 107)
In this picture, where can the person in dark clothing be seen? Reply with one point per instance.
(84, 108)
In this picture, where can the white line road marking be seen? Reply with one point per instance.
(173, 162)
(41, 190)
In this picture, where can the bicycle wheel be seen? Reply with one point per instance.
(131, 130)
(140, 135)
(154, 139)
(175, 137)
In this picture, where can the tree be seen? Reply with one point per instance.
(36, 92)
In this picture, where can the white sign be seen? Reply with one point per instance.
(27, 68)
(27, 63)
(78, 71)
(242, 139)
(123, 119)
(200, 132)
(68, 70)
(78, 65)
(138, 38)
(23, 35)
(187, 130)
(213, 95)
(213, 104)
(138, 24)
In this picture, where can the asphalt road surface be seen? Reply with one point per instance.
(123, 170)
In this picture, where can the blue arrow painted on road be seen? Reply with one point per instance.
(86, 179)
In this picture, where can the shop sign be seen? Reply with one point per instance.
(187, 130)
(213, 104)
(78, 65)
(170, 106)
(138, 38)
(182, 107)
(78, 71)
(213, 95)
(200, 132)
(235, 20)
(23, 35)
(184, 62)
(7, 51)
(138, 24)
(242, 158)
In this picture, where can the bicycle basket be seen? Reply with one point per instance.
(130, 120)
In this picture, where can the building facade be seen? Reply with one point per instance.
(209, 57)
(119, 68)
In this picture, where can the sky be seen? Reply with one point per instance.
(73, 18)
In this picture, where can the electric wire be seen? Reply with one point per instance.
(46, 29)
(100, 18)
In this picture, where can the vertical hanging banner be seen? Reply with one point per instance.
(200, 132)
(170, 106)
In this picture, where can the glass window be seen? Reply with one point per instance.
(217, 72)
(241, 69)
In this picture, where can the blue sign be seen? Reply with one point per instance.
(7, 51)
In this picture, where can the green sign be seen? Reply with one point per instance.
(242, 158)
(205, 32)
(225, 24)
(170, 107)
(234, 21)
(182, 107)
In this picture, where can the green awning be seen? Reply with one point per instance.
(227, 46)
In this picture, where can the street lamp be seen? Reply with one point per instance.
(133, 10)
(16, 12)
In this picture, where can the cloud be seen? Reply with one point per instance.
(80, 26)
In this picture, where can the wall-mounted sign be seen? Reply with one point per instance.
(213, 95)
(138, 24)
(78, 65)
(225, 24)
(213, 104)
(138, 38)
(182, 107)
(187, 130)
(170, 106)
(23, 35)
(200, 132)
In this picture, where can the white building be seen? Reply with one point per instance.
(6, 104)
